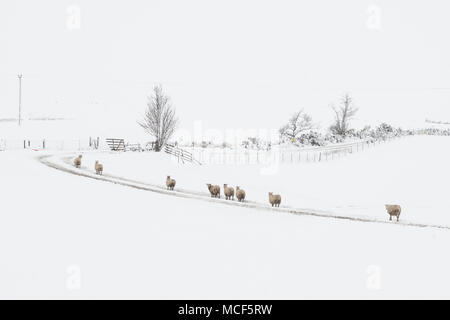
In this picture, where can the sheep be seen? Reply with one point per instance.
(229, 192)
(214, 190)
(240, 194)
(170, 183)
(77, 161)
(274, 200)
(393, 210)
(98, 168)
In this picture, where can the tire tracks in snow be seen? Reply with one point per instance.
(181, 193)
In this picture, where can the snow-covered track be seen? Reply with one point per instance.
(66, 166)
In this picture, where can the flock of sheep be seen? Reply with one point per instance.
(98, 167)
(274, 199)
(229, 193)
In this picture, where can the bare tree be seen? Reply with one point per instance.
(159, 118)
(343, 115)
(298, 123)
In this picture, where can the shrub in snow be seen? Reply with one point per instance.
(311, 138)
(364, 133)
(332, 137)
(436, 132)
(298, 123)
(255, 143)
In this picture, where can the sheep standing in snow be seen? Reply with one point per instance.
(274, 199)
(98, 168)
(170, 183)
(393, 210)
(77, 161)
(229, 192)
(214, 190)
(240, 194)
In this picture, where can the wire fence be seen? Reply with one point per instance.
(282, 155)
(181, 154)
(211, 155)
(51, 144)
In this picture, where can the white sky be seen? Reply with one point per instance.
(230, 64)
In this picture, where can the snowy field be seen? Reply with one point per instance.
(67, 236)
(408, 171)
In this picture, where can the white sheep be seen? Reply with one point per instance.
(393, 210)
(214, 190)
(98, 168)
(229, 192)
(170, 183)
(274, 199)
(240, 194)
(77, 161)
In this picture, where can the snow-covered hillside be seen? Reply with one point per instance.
(67, 236)
(406, 171)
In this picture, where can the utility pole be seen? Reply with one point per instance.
(20, 97)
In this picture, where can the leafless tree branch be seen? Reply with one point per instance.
(298, 123)
(343, 115)
(159, 119)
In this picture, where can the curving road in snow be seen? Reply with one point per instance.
(68, 236)
(64, 163)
